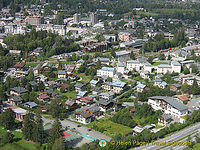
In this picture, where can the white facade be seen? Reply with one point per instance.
(106, 71)
(168, 105)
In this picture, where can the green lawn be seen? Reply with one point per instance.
(85, 78)
(71, 94)
(111, 128)
(159, 63)
(19, 144)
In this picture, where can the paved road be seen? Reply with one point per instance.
(174, 137)
(82, 129)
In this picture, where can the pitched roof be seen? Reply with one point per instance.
(119, 84)
(19, 89)
(108, 69)
(85, 114)
(94, 82)
(61, 72)
(173, 102)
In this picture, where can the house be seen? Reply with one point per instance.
(137, 129)
(15, 100)
(81, 94)
(47, 66)
(72, 75)
(18, 91)
(84, 117)
(94, 110)
(104, 61)
(71, 105)
(157, 81)
(189, 79)
(164, 68)
(61, 74)
(94, 83)
(118, 86)
(106, 86)
(30, 104)
(65, 86)
(85, 100)
(36, 69)
(182, 98)
(79, 63)
(20, 65)
(122, 55)
(107, 96)
(176, 66)
(19, 112)
(43, 97)
(175, 87)
(164, 120)
(134, 64)
(79, 87)
(140, 87)
(36, 52)
(96, 90)
(168, 105)
(120, 67)
(106, 71)
(106, 105)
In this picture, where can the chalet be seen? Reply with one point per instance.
(86, 100)
(96, 90)
(20, 66)
(30, 104)
(164, 120)
(18, 91)
(36, 69)
(106, 86)
(183, 98)
(79, 87)
(65, 86)
(61, 74)
(19, 112)
(93, 110)
(47, 67)
(140, 87)
(81, 94)
(72, 75)
(118, 86)
(43, 97)
(94, 83)
(14, 100)
(175, 87)
(79, 63)
(105, 105)
(107, 96)
(71, 105)
(168, 105)
(84, 117)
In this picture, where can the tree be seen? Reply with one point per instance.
(55, 108)
(41, 86)
(7, 119)
(132, 55)
(55, 132)
(29, 125)
(194, 68)
(38, 131)
(186, 70)
(162, 56)
(7, 138)
(58, 144)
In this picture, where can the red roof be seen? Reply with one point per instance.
(133, 110)
(66, 134)
(44, 96)
(64, 85)
(20, 65)
(73, 74)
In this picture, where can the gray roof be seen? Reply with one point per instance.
(166, 117)
(19, 90)
(175, 63)
(17, 98)
(61, 72)
(30, 104)
(78, 85)
(176, 104)
(104, 102)
(37, 67)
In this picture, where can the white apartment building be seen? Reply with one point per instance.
(168, 105)
(106, 71)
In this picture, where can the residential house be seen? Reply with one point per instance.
(65, 86)
(15, 100)
(118, 86)
(140, 87)
(19, 112)
(81, 94)
(36, 52)
(86, 100)
(107, 96)
(164, 68)
(176, 66)
(182, 98)
(79, 87)
(120, 67)
(30, 104)
(106, 105)
(47, 67)
(161, 84)
(122, 55)
(106, 71)
(96, 90)
(18, 91)
(168, 105)
(71, 105)
(94, 110)
(164, 120)
(79, 63)
(43, 97)
(20, 65)
(106, 86)
(61, 74)
(175, 87)
(94, 83)
(84, 117)
(137, 129)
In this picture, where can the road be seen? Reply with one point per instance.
(82, 129)
(174, 137)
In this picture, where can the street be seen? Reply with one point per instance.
(174, 137)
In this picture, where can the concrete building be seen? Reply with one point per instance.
(77, 18)
(93, 18)
(34, 20)
(106, 71)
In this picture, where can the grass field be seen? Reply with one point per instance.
(111, 128)
(84, 77)
(159, 63)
